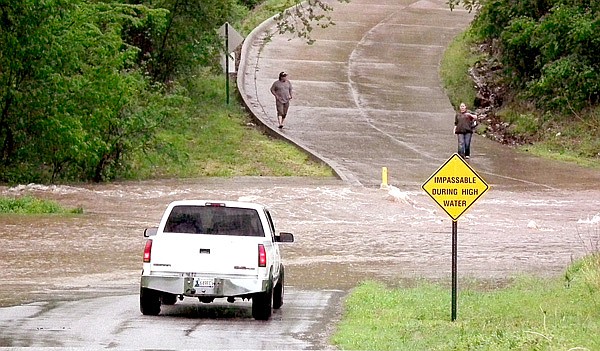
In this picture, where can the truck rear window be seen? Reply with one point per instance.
(214, 220)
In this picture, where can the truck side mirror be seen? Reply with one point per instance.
(148, 232)
(285, 238)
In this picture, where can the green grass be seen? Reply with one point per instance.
(213, 139)
(529, 314)
(262, 12)
(571, 140)
(32, 205)
(454, 70)
(551, 151)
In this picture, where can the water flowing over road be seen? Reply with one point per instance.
(344, 233)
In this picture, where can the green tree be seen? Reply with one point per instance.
(27, 58)
(186, 40)
(550, 49)
(73, 103)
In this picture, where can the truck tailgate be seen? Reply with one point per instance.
(205, 254)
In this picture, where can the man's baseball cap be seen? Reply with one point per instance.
(282, 74)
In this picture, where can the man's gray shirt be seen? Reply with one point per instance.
(282, 90)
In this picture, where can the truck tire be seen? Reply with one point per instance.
(168, 299)
(262, 305)
(278, 290)
(149, 302)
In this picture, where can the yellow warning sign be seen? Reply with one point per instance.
(455, 186)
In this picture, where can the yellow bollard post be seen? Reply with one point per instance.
(384, 177)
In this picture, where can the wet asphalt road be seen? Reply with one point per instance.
(114, 322)
(367, 96)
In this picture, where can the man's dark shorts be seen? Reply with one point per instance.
(282, 108)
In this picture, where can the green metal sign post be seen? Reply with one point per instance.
(232, 40)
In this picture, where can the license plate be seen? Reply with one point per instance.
(204, 282)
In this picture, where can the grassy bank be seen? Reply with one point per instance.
(457, 60)
(575, 142)
(570, 138)
(530, 314)
(214, 139)
(32, 205)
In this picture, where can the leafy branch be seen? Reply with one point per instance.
(469, 5)
(301, 18)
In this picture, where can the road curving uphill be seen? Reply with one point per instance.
(367, 95)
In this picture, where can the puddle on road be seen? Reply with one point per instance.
(344, 234)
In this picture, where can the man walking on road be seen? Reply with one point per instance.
(282, 90)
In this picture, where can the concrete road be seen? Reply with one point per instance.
(368, 95)
(114, 322)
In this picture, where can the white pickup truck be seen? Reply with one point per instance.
(213, 249)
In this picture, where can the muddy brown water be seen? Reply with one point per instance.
(344, 234)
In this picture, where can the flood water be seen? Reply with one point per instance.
(344, 233)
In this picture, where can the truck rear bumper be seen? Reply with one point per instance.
(222, 287)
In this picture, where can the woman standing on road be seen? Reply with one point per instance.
(463, 128)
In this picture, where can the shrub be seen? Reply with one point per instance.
(518, 54)
(32, 205)
(567, 84)
(549, 49)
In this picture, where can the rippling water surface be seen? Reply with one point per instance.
(344, 234)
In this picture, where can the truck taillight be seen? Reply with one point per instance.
(147, 250)
(214, 204)
(262, 256)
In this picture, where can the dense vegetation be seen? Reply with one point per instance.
(541, 61)
(93, 90)
(550, 50)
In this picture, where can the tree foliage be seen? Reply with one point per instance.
(300, 18)
(72, 103)
(187, 39)
(467, 4)
(85, 84)
(550, 49)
